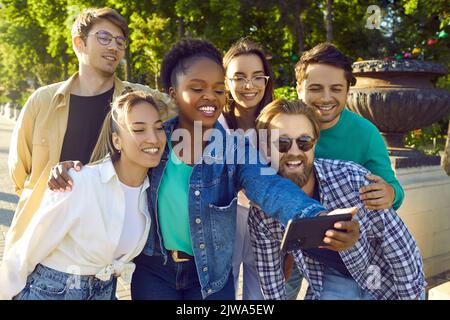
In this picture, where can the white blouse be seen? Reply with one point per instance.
(134, 225)
(76, 232)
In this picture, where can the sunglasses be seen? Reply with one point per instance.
(105, 38)
(304, 143)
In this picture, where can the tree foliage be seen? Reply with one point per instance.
(36, 49)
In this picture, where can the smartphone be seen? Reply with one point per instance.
(309, 232)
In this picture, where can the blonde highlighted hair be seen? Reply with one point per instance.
(289, 107)
(116, 120)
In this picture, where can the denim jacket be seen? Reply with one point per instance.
(212, 196)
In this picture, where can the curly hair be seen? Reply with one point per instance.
(182, 55)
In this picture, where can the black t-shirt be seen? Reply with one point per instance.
(327, 257)
(86, 116)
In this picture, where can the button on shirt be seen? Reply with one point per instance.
(78, 230)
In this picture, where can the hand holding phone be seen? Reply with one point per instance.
(310, 232)
(353, 211)
(343, 236)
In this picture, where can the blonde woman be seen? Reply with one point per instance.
(79, 241)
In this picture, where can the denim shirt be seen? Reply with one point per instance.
(212, 200)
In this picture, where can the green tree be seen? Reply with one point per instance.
(36, 49)
(25, 61)
(52, 17)
(148, 38)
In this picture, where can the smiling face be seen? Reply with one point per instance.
(200, 93)
(295, 164)
(142, 139)
(325, 88)
(100, 58)
(245, 66)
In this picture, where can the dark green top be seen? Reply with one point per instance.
(356, 139)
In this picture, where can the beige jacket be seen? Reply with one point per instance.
(37, 141)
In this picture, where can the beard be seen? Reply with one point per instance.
(299, 178)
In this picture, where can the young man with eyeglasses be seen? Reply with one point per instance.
(385, 262)
(62, 121)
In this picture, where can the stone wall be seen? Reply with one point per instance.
(426, 212)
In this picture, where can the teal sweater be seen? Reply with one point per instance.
(356, 139)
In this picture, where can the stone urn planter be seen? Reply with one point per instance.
(398, 96)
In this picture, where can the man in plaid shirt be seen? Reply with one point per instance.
(384, 264)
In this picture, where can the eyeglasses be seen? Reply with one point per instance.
(304, 143)
(257, 81)
(105, 38)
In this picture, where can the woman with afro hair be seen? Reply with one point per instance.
(193, 194)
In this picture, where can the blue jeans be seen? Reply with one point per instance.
(293, 285)
(336, 286)
(48, 284)
(152, 280)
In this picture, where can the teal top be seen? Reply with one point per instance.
(356, 139)
(173, 212)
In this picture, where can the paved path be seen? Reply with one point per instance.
(8, 199)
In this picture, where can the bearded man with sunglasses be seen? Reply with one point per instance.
(384, 262)
(62, 121)
(324, 76)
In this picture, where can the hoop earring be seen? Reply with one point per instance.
(229, 97)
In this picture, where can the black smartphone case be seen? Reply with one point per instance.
(309, 232)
